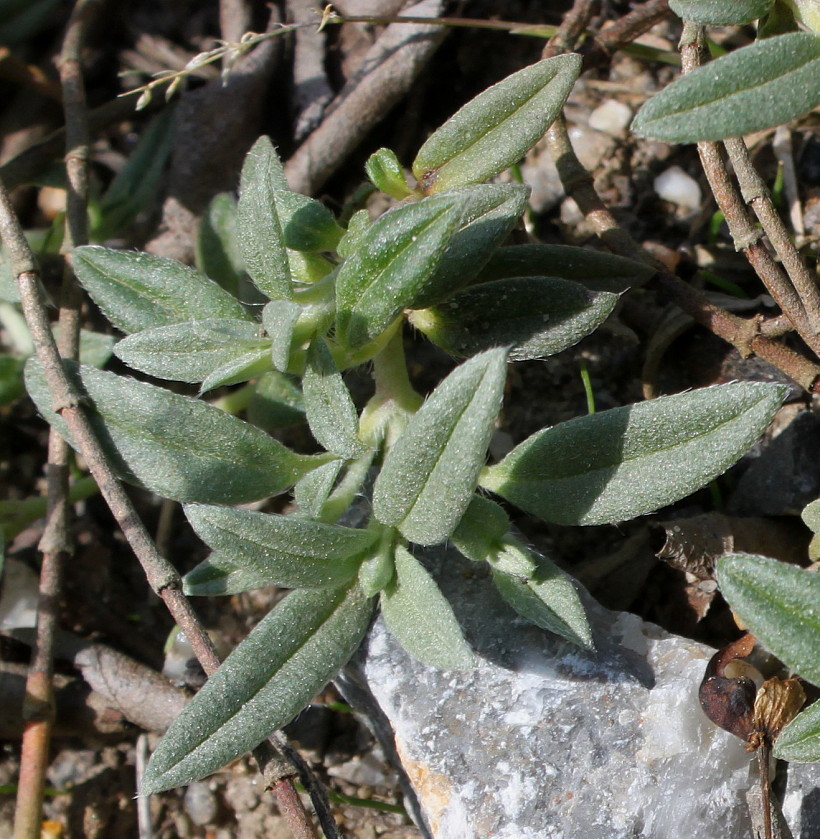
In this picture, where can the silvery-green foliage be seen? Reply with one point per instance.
(295, 303)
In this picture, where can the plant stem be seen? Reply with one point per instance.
(56, 545)
(742, 334)
(757, 196)
(744, 233)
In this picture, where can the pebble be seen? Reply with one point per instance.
(200, 803)
(675, 186)
(611, 117)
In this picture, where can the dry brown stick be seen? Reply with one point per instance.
(756, 194)
(744, 233)
(161, 575)
(56, 545)
(604, 44)
(390, 68)
(741, 333)
(572, 28)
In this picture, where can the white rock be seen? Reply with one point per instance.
(675, 186)
(611, 117)
(18, 602)
(545, 740)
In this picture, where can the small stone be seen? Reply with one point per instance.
(676, 187)
(611, 117)
(200, 803)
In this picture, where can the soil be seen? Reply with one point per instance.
(105, 598)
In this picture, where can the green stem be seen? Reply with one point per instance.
(386, 414)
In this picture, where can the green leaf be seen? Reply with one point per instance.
(490, 212)
(429, 475)
(262, 684)
(279, 318)
(721, 12)
(287, 551)
(539, 316)
(178, 447)
(481, 529)
(780, 604)
(378, 570)
(758, 86)
(385, 172)
(139, 179)
(419, 616)
(222, 574)
(628, 461)
(193, 351)
(313, 490)
(216, 250)
(330, 411)
(307, 224)
(548, 599)
(11, 379)
(494, 130)
(139, 291)
(597, 270)
(276, 402)
(800, 739)
(811, 516)
(391, 266)
(259, 232)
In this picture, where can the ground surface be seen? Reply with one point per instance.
(105, 596)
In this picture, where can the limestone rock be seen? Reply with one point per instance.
(546, 740)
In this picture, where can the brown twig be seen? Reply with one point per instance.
(744, 233)
(741, 333)
(757, 196)
(161, 575)
(571, 30)
(391, 66)
(56, 546)
(600, 49)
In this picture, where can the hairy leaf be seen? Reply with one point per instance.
(178, 447)
(628, 461)
(137, 291)
(307, 224)
(539, 316)
(721, 12)
(429, 475)
(276, 402)
(758, 86)
(193, 351)
(313, 490)
(330, 411)
(262, 684)
(385, 172)
(259, 232)
(287, 551)
(548, 598)
(597, 270)
(780, 604)
(494, 130)
(481, 529)
(279, 319)
(216, 250)
(490, 212)
(391, 267)
(419, 616)
(800, 739)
